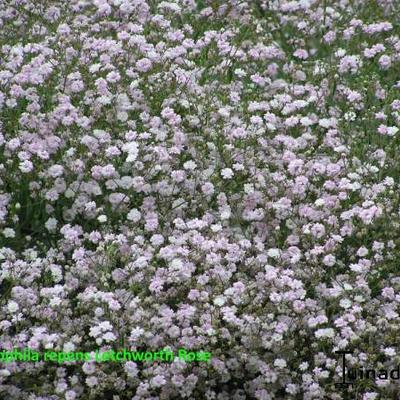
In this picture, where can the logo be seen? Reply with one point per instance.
(351, 375)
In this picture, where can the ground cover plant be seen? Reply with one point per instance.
(216, 176)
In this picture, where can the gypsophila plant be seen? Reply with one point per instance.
(202, 174)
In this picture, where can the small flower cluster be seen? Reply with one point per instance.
(219, 176)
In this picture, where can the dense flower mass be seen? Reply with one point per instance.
(215, 175)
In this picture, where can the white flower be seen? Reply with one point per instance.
(219, 301)
(102, 218)
(238, 167)
(132, 149)
(224, 112)
(370, 396)
(390, 351)
(134, 215)
(356, 267)
(389, 181)
(55, 170)
(176, 263)
(362, 251)
(25, 166)
(325, 332)
(126, 182)
(56, 272)
(329, 260)
(94, 68)
(226, 213)
(105, 326)
(345, 303)
(68, 347)
(280, 363)
(69, 193)
(92, 381)
(131, 369)
(158, 381)
(122, 116)
(303, 366)
(51, 224)
(216, 227)
(350, 116)
(136, 333)
(227, 173)
(70, 395)
(12, 306)
(325, 122)
(109, 337)
(55, 301)
(273, 253)
(248, 188)
(9, 233)
(190, 165)
(305, 121)
(392, 130)
(122, 101)
(340, 53)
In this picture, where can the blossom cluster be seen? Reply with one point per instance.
(219, 176)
